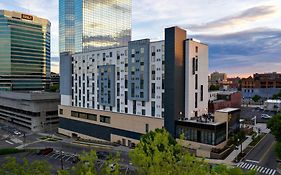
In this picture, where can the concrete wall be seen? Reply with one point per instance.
(120, 126)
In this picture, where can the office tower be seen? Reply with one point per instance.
(87, 25)
(24, 52)
(121, 93)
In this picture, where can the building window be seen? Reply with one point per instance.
(201, 93)
(74, 114)
(196, 81)
(105, 119)
(193, 66)
(146, 128)
(196, 49)
(92, 117)
(61, 111)
(196, 98)
(143, 112)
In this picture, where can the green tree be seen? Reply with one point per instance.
(86, 165)
(54, 88)
(159, 154)
(214, 87)
(256, 98)
(274, 124)
(12, 167)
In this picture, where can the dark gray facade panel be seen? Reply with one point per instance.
(174, 96)
(97, 131)
(106, 85)
(65, 73)
(139, 78)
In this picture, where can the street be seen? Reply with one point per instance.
(262, 158)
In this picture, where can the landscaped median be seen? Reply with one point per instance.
(6, 151)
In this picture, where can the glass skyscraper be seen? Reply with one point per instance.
(87, 25)
(24, 52)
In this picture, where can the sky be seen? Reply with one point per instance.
(244, 36)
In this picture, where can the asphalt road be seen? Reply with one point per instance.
(249, 112)
(263, 153)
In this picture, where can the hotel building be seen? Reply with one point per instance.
(24, 52)
(121, 93)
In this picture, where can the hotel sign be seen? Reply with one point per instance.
(27, 17)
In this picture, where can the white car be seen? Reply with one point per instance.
(17, 133)
(266, 116)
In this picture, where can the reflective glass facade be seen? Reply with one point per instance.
(96, 24)
(24, 52)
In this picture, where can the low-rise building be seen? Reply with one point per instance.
(208, 132)
(36, 111)
(263, 85)
(272, 105)
(224, 99)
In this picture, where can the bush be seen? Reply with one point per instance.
(6, 151)
(278, 150)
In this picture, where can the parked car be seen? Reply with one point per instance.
(45, 151)
(17, 132)
(266, 116)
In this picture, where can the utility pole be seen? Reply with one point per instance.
(61, 160)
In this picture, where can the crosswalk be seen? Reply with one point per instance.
(259, 169)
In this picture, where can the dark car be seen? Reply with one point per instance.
(45, 151)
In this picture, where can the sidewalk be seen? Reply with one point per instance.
(235, 153)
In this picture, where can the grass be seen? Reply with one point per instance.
(257, 139)
(6, 151)
(50, 139)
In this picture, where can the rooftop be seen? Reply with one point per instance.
(228, 110)
(29, 95)
(273, 101)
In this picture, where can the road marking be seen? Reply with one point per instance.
(270, 171)
(54, 154)
(9, 142)
(253, 161)
(267, 171)
(69, 158)
(57, 156)
(273, 172)
(264, 170)
(259, 169)
(240, 164)
(267, 150)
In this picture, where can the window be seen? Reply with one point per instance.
(196, 81)
(74, 114)
(61, 111)
(201, 93)
(110, 54)
(143, 111)
(92, 117)
(146, 128)
(196, 64)
(196, 102)
(196, 49)
(193, 66)
(105, 119)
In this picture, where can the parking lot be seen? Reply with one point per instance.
(250, 112)
(56, 158)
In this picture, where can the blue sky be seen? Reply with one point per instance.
(244, 36)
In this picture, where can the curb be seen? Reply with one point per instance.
(253, 147)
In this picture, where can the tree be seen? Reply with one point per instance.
(256, 98)
(214, 87)
(86, 165)
(12, 166)
(159, 154)
(274, 124)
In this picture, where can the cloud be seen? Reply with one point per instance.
(245, 17)
(245, 52)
